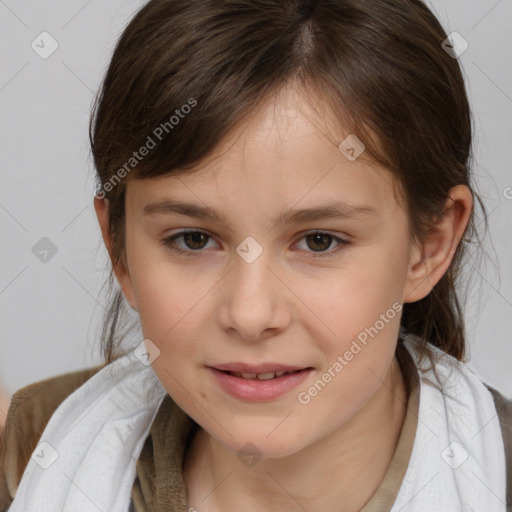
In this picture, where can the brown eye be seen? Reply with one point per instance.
(319, 241)
(192, 242)
(195, 240)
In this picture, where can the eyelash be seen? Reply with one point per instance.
(169, 242)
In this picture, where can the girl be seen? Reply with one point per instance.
(285, 195)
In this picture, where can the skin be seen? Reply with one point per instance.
(287, 306)
(5, 400)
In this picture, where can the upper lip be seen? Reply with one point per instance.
(257, 368)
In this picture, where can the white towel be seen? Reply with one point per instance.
(458, 458)
(97, 434)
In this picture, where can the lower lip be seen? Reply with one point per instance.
(255, 390)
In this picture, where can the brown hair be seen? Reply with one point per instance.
(378, 63)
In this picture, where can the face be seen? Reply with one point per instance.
(267, 287)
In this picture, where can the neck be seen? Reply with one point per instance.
(355, 457)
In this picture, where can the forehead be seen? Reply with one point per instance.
(285, 153)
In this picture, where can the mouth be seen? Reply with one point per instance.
(262, 376)
(263, 371)
(258, 383)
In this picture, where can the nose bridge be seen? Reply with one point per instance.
(252, 304)
(251, 274)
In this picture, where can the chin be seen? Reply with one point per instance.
(252, 440)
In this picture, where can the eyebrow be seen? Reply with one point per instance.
(334, 210)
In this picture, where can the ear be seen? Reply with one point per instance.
(431, 258)
(121, 270)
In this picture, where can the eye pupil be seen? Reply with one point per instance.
(193, 238)
(318, 238)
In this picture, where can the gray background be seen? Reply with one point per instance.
(51, 311)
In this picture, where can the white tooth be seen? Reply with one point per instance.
(278, 374)
(249, 375)
(266, 376)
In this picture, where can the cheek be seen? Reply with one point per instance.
(166, 292)
(363, 297)
(170, 306)
(167, 296)
(362, 308)
(170, 316)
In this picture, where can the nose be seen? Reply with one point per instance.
(255, 303)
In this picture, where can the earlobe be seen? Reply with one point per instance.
(101, 207)
(431, 258)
